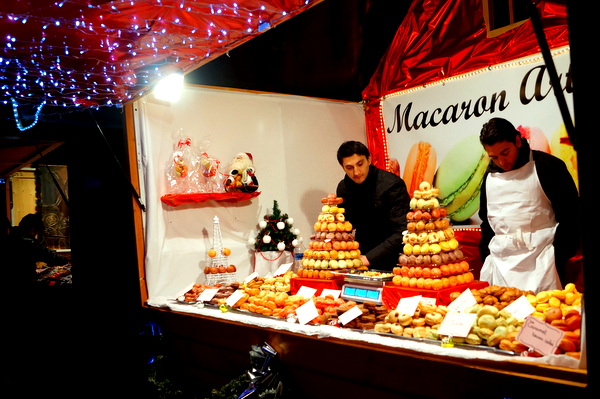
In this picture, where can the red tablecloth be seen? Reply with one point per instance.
(469, 238)
(318, 284)
(392, 294)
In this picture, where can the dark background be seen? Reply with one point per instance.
(89, 337)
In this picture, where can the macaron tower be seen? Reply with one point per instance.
(431, 257)
(332, 247)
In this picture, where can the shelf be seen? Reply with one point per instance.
(180, 199)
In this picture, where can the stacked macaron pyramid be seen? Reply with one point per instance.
(332, 247)
(431, 257)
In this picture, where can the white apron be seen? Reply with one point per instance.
(521, 252)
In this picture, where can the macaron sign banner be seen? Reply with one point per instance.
(433, 130)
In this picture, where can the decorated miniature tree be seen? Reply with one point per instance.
(275, 241)
(276, 232)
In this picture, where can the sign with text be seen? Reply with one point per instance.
(540, 335)
(457, 324)
(448, 115)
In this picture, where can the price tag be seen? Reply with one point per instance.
(233, 298)
(282, 269)
(463, 301)
(520, 308)
(306, 292)
(307, 312)
(457, 324)
(250, 278)
(428, 301)
(334, 293)
(207, 294)
(409, 305)
(350, 315)
(540, 335)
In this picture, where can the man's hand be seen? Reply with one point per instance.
(364, 260)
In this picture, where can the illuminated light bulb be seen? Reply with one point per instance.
(169, 88)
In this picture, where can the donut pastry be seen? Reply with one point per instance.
(418, 322)
(396, 329)
(393, 316)
(383, 327)
(433, 318)
(404, 319)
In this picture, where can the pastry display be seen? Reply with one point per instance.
(332, 247)
(431, 258)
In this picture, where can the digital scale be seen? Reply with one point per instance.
(360, 288)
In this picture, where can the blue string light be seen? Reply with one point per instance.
(88, 55)
(18, 119)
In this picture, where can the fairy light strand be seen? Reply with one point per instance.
(75, 53)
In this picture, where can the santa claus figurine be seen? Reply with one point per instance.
(241, 177)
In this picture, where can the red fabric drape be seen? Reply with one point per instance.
(391, 294)
(180, 199)
(318, 284)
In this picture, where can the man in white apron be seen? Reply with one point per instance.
(528, 209)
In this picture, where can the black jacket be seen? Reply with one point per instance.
(377, 209)
(559, 187)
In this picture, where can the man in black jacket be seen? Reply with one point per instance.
(376, 203)
(529, 212)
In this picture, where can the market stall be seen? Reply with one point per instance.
(293, 141)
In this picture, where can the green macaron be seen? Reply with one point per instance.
(459, 177)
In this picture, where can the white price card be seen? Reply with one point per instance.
(282, 269)
(409, 305)
(464, 300)
(207, 294)
(456, 324)
(520, 308)
(307, 312)
(306, 292)
(539, 335)
(428, 301)
(250, 278)
(350, 315)
(234, 297)
(334, 293)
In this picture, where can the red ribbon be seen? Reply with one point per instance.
(184, 142)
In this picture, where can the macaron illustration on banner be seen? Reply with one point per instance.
(459, 178)
(420, 166)
(562, 148)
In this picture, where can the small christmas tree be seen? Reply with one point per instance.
(276, 232)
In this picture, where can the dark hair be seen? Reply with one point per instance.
(349, 148)
(32, 221)
(497, 130)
